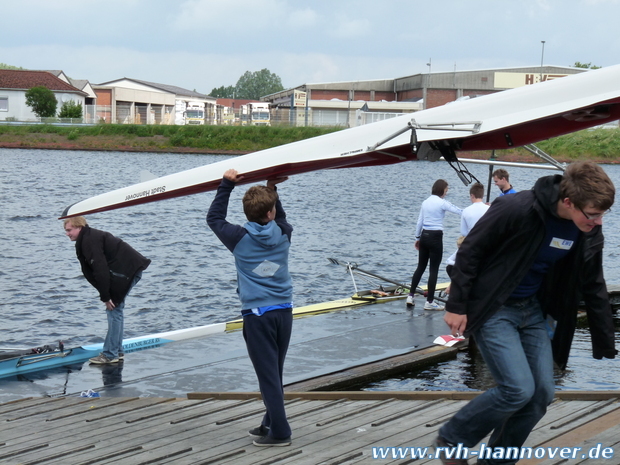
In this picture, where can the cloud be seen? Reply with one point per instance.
(233, 18)
(202, 44)
(303, 19)
(352, 28)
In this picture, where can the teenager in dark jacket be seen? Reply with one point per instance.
(113, 267)
(529, 260)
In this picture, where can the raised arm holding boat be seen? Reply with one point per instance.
(261, 249)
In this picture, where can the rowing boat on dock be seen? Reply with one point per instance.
(46, 357)
(21, 362)
(379, 292)
(27, 361)
(324, 344)
(365, 297)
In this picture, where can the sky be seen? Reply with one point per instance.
(204, 44)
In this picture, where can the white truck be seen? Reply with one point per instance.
(190, 112)
(255, 114)
(195, 113)
(227, 116)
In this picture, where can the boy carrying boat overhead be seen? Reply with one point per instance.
(527, 263)
(261, 248)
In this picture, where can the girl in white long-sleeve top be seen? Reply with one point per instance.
(429, 241)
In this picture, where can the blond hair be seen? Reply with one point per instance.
(75, 221)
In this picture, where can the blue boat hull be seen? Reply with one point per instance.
(35, 362)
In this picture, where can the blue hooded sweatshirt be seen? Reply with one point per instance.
(260, 251)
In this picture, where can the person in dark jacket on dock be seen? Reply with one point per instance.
(261, 248)
(113, 267)
(516, 285)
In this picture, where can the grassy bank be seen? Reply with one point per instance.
(601, 145)
(201, 139)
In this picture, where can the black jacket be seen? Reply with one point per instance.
(108, 263)
(502, 247)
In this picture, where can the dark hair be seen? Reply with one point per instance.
(257, 202)
(585, 182)
(501, 174)
(477, 190)
(439, 187)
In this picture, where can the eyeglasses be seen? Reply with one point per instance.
(595, 216)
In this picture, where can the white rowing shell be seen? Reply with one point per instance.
(498, 121)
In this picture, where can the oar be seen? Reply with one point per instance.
(353, 266)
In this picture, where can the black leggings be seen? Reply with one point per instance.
(431, 248)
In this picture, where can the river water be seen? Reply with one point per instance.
(363, 215)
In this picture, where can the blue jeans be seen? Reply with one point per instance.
(113, 343)
(516, 347)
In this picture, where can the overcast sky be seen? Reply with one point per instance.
(202, 44)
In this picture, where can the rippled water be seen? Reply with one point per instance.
(468, 372)
(366, 215)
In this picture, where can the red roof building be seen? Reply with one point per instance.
(14, 84)
(23, 80)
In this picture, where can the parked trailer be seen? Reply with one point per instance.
(190, 113)
(255, 114)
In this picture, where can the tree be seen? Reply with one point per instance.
(578, 64)
(257, 84)
(223, 92)
(70, 109)
(42, 101)
(5, 66)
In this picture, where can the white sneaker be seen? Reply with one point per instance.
(433, 306)
(410, 302)
(103, 360)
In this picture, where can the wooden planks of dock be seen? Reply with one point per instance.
(328, 428)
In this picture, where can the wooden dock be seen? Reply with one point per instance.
(328, 428)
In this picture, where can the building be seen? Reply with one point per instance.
(347, 103)
(436, 89)
(360, 102)
(82, 84)
(15, 83)
(90, 102)
(142, 102)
